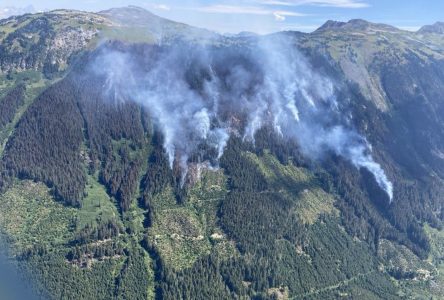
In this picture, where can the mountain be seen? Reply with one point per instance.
(147, 159)
(356, 25)
(438, 28)
(136, 16)
(160, 30)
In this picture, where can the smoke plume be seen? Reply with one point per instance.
(199, 95)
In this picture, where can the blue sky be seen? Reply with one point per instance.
(265, 16)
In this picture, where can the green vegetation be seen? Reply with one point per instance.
(427, 279)
(128, 34)
(40, 232)
(97, 206)
(183, 233)
(32, 84)
(312, 202)
(29, 216)
(92, 209)
(277, 251)
(431, 277)
(179, 238)
(54, 278)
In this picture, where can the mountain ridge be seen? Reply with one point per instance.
(138, 16)
(356, 25)
(134, 15)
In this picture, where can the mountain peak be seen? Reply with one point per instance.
(330, 24)
(438, 28)
(354, 25)
(134, 16)
(158, 29)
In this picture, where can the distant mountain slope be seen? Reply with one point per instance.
(93, 207)
(161, 30)
(356, 25)
(438, 28)
(136, 16)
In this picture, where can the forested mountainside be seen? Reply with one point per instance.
(104, 196)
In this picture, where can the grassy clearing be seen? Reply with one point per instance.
(204, 198)
(436, 258)
(183, 233)
(177, 232)
(437, 244)
(179, 237)
(128, 34)
(151, 280)
(274, 171)
(134, 218)
(212, 185)
(431, 287)
(313, 203)
(297, 184)
(97, 206)
(29, 216)
(399, 257)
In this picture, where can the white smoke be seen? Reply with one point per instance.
(197, 94)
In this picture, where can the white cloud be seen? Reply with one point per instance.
(329, 3)
(289, 13)
(276, 2)
(161, 7)
(279, 15)
(231, 9)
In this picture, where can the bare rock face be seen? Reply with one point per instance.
(45, 42)
(68, 41)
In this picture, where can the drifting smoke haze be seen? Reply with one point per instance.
(200, 95)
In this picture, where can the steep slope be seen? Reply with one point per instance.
(92, 208)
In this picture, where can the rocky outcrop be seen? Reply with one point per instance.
(45, 42)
